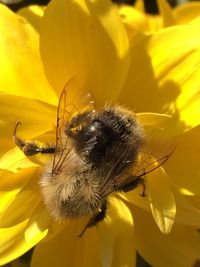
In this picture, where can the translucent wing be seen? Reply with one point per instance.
(153, 155)
(73, 100)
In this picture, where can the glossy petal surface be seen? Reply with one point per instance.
(18, 52)
(82, 34)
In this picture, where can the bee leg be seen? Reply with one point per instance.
(134, 184)
(143, 194)
(96, 218)
(29, 147)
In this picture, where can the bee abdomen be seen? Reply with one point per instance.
(83, 201)
(76, 198)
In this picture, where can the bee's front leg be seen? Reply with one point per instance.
(30, 147)
(96, 218)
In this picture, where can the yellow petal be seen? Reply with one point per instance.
(139, 5)
(116, 235)
(195, 22)
(187, 213)
(111, 243)
(39, 221)
(155, 23)
(22, 205)
(187, 12)
(161, 200)
(162, 81)
(36, 117)
(138, 24)
(87, 249)
(183, 167)
(85, 39)
(33, 14)
(10, 185)
(166, 12)
(134, 197)
(13, 243)
(133, 20)
(15, 160)
(19, 199)
(21, 69)
(6, 143)
(178, 249)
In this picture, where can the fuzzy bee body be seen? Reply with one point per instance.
(103, 148)
(94, 155)
(74, 198)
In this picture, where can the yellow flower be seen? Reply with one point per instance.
(136, 21)
(153, 74)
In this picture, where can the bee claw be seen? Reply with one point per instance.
(82, 232)
(16, 127)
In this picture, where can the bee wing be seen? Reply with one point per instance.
(154, 154)
(73, 100)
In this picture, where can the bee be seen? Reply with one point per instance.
(95, 154)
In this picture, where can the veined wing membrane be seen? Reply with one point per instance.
(73, 100)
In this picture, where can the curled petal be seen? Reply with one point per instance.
(161, 200)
